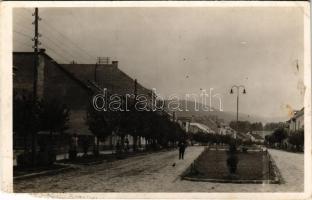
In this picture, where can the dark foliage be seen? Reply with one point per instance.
(206, 138)
(297, 139)
(246, 126)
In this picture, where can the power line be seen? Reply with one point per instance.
(23, 34)
(45, 38)
(36, 44)
(25, 11)
(23, 26)
(48, 47)
(65, 43)
(21, 17)
(68, 39)
(58, 46)
(23, 43)
(22, 29)
(64, 36)
(58, 54)
(47, 27)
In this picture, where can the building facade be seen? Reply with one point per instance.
(74, 85)
(296, 123)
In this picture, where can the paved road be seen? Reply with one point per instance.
(155, 173)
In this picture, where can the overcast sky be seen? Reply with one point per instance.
(180, 50)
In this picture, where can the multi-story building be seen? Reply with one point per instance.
(73, 84)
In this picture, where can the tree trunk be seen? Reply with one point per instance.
(25, 143)
(51, 141)
(122, 140)
(33, 148)
(135, 140)
(98, 146)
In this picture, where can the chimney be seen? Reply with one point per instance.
(115, 63)
(42, 50)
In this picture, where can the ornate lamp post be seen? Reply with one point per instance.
(238, 87)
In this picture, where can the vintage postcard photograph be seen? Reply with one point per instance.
(162, 99)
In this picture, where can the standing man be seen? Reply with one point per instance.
(182, 146)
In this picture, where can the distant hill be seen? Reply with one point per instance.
(226, 116)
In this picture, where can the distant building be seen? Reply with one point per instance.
(242, 136)
(297, 121)
(225, 129)
(198, 127)
(255, 137)
(263, 133)
(184, 123)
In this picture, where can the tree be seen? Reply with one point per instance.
(54, 117)
(268, 139)
(176, 133)
(158, 129)
(257, 126)
(101, 124)
(273, 126)
(30, 116)
(232, 159)
(297, 139)
(241, 126)
(279, 135)
(25, 118)
(26, 123)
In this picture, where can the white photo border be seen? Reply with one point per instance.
(6, 147)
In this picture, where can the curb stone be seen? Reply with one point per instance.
(43, 173)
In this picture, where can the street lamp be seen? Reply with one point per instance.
(237, 87)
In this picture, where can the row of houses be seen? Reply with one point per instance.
(74, 85)
(221, 128)
(292, 126)
(190, 126)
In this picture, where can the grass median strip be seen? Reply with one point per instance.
(252, 167)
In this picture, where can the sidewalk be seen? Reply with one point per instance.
(66, 155)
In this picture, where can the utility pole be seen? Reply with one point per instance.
(135, 137)
(35, 39)
(135, 88)
(95, 68)
(237, 104)
(36, 51)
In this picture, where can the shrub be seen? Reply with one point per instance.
(232, 159)
(232, 162)
(297, 139)
(244, 149)
(24, 159)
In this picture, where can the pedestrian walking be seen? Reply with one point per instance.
(182, 147)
